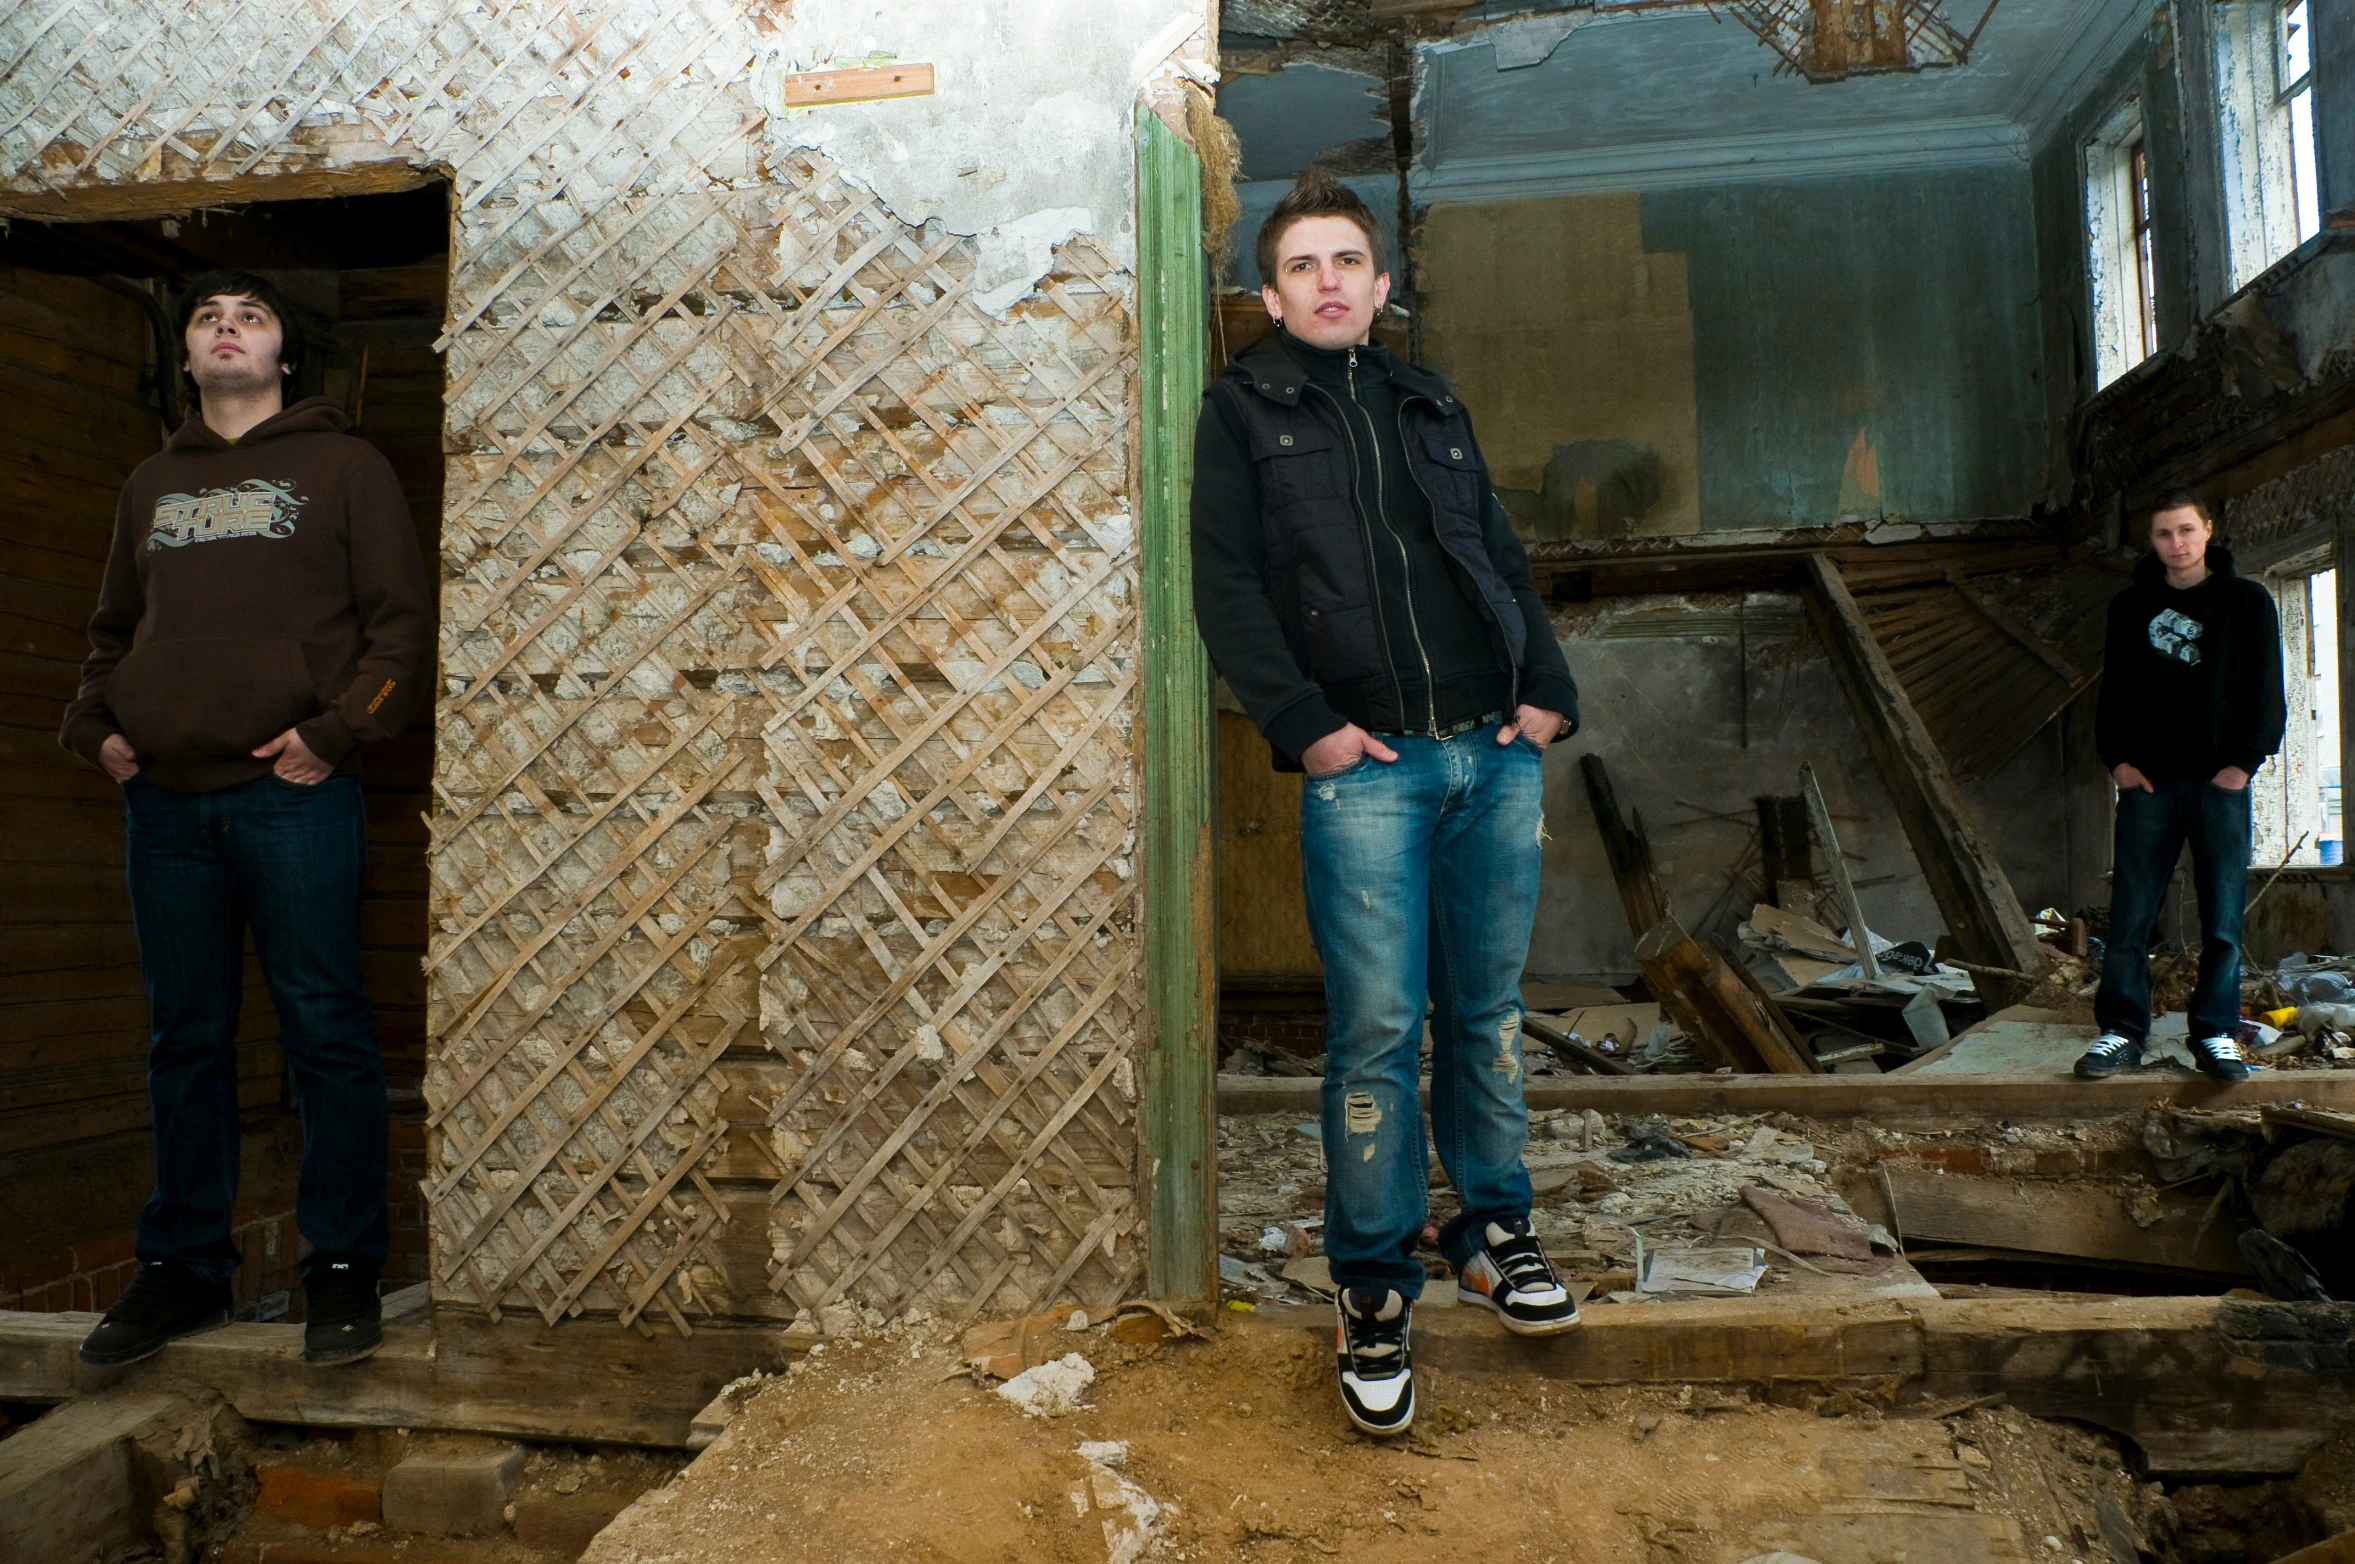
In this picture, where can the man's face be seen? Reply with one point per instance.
(2180, 537)
(233, 344)
(1326, 291)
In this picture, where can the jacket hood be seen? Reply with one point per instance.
(311, 415)
(2149, 572)
(1275, 367)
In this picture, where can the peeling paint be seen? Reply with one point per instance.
(1025, 140)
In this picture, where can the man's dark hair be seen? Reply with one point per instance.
(2184, 499)
(236, 284)
(1318, 193)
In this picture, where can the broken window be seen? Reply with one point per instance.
(2293, 798)
(2118, 245)
(2265, 121)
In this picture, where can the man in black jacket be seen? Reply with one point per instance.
(1359, 587)
(2191, 704)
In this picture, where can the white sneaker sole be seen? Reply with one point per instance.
(1383, 1430)
(1517, 1327)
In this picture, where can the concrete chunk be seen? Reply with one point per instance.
(453, 1488)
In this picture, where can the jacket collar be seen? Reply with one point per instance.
(1272, 367)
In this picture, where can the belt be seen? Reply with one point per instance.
(1487, 719)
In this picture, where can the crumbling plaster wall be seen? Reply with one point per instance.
(1753, 355)
(786, 953)
(1660, 694)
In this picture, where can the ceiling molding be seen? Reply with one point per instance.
(2105, 31)
(1980, 140)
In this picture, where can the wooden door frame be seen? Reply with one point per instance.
(1179, 1154)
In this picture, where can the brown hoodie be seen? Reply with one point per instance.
(255, 586)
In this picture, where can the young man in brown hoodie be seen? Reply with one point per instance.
(265, 612)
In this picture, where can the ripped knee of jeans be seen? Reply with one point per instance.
(1361, 1115)
(1508, 1047)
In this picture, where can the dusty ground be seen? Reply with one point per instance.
(884, 1450)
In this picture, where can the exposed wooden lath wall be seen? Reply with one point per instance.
(784, 953)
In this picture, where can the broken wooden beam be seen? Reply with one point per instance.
(2058, 1219)
(1627, 849)
(1973, 893)
(586, 1380)
(2182, 1378)
(1572, 1048)
(1860, 938)
(83, 1481)
(1938, 1100)
(1727, 1018)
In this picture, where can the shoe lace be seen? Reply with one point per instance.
(2221, 1047)
(2110, 1043)
(1373, 1343)
(1522, 1261)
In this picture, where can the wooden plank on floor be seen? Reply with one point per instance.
(586, 1379)
(1894, 1098)
(2062, 1218)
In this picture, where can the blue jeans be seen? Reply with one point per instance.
(2152, 831)
(1422, 885)
(285, 861)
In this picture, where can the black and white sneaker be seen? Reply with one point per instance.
(1377, 1377)
(2220, 1056)
(165, 1301)
(344, 1318)
(1510, 1274)
(2110, 1053)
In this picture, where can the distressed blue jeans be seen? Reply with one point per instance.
(1422, 885)
(285, 861)
(2152, 830)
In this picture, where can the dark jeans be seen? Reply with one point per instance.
(284, 861)
(2152, 831)
(1422, 885)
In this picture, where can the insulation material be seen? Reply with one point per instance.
(784, 795)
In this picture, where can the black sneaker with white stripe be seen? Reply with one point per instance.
(1510, 1274)
(1377, 1376)
(2220, 1056)
(2110, 1053)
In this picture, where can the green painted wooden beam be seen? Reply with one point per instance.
(1180, 912)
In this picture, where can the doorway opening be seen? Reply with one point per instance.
(88, 366)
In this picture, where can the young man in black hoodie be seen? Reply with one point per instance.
(2191, 705)
(265, 611)
(1359, 587)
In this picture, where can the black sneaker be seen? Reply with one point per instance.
(1510, 1274)
(1377, 1379)
(2220, 1056)
(165, 1301)
(346, 1318)
(2110, 1053)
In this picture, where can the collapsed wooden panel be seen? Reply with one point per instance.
(788, 666)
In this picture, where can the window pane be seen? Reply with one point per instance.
(2322, 639)
(2302, 164)
(2296, 46)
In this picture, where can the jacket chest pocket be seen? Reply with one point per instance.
(1451, 471)
(1299, 464)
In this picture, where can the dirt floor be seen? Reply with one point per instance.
(1234, 1447)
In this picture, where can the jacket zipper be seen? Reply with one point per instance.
(1406, 568)
(1512, 712)
(1366, 537)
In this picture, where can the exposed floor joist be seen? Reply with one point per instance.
(1896, 1098)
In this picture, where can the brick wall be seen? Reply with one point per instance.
(88, 1277)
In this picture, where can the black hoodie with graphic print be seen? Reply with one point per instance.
(256, 585)
(2191, 678)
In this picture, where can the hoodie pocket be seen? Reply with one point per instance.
(205, 699)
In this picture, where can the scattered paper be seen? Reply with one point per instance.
(1702, 1273)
